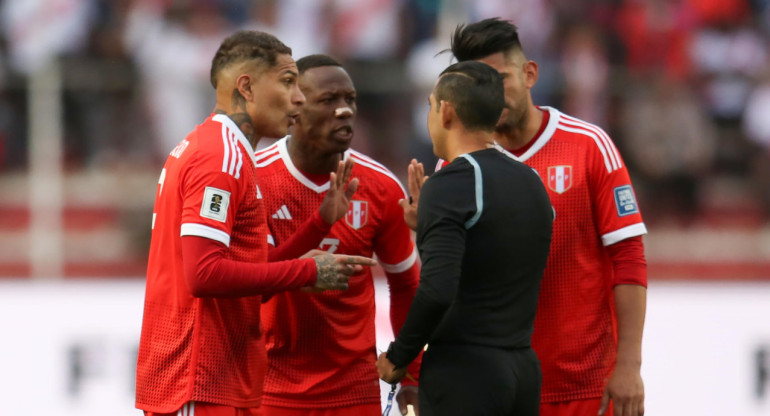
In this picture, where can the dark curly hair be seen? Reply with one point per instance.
(247, 45)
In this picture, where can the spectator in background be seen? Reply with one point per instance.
(728, 56)
(321, 347)
(299, 23)
(589, 345)
(656, 35)
(671, 144)
(585, 68)
(201, 343)
(172, 46)
(756, 127)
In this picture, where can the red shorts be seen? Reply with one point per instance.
(208, 409)
(588, 407)
(360, 410)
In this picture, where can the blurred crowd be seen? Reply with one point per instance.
(683, 86)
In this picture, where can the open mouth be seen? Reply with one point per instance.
(344, 132)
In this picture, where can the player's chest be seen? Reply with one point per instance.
(353, 232)
(251, 212)
(565, 178)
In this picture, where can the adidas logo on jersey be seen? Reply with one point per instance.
(282, 213)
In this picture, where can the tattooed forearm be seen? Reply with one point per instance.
(326, 269)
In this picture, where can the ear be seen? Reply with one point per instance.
(446, 112)
(243, 84)
(530, 73)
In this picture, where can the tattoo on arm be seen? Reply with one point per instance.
(326, 276)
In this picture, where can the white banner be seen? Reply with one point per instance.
(69, 348)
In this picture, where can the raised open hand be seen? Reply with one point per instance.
(417, 178)
(341, 189)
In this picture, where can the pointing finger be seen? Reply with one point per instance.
(364, 261)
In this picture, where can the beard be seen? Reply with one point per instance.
(512, 118)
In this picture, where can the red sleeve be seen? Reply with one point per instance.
(629, 262)
(402, 288)
(306, 238)
(615, 208)
(208, 273)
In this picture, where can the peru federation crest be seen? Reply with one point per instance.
(559, 178)
(358, 214)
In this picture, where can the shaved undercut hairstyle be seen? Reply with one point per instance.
(315, 61)
(247, 45)
(485, 37)
(475, 89)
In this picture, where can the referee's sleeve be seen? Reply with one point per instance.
(447, 202)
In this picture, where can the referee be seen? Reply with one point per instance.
(483, 232)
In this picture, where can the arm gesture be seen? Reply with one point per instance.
(341, 189)
(416, 179)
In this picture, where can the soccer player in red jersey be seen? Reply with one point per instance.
(590, 318)
(321, 347)
(201, 348)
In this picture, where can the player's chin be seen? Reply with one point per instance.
(341, 141)
(278, 132)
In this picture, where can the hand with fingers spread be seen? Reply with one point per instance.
(334, 270)
(341, 189)
(417, 178)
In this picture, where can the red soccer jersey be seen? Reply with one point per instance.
(321, 347)
(203, 349)
(575, 329)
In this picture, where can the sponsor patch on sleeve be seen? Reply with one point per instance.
(215, 202)
(625, 201)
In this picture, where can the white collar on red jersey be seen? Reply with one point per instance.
(283, 150)
(230, 124)
(545, 136)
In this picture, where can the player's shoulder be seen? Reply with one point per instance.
(578, 129)
(210, 143)
(269, 162)
(372, 170)
(269, 155)
(590, 137)
(455, 174)
(457, 165)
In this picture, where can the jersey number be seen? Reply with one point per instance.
(160, 189)
(329, 244)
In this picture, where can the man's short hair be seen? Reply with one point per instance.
(246, 45)
(483, 38)
(475, 89)
(316, 61)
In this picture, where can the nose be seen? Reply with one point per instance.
(343, 112)
(297, 98)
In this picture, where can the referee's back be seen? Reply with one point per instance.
(508, 218)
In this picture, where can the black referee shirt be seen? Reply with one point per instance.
(483, 232)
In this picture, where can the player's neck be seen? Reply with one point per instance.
(462, 142)
(520, 135)
(309, 160)
(244, 123)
